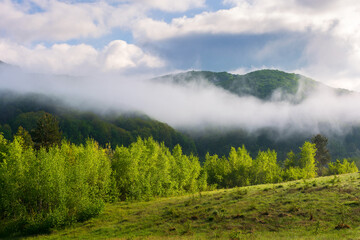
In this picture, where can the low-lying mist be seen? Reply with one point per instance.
(195, 105)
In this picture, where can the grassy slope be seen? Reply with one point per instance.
(298, 210)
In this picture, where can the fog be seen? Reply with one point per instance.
(195, 105)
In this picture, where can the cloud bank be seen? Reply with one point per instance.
(81, 59)
(193, 105)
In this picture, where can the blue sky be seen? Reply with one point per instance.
(320, 39)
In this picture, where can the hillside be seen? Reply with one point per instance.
(77, 126)
(321, 208)
(261, 84)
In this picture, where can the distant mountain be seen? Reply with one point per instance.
(261, 84)
(266, 85)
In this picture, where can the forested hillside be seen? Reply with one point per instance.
(261, 84)
(77, 126)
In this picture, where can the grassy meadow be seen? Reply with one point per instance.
(319, 208)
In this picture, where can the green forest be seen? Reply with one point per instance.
(49, 182)
(26, 109)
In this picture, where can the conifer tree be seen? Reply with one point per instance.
(322, 157)
(47, 132)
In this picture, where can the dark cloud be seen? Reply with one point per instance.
(318, 4)
(228, 52)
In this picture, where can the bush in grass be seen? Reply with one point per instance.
(339, 167)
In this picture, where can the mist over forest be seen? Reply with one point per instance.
(262, 109)
(196, 103)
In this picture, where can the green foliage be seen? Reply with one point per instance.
(302, 165)
(25, 135)
(241, 164)
(266, 169)
(240, 170)
(291, 160)
(6, 131)
(3, 148)
(54, 186)
(147, 169)
(217, 170)
(47, 132)
(339, 167)
(307, 160)
(293, 173)
(322, 153)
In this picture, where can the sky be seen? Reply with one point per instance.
(319, 39)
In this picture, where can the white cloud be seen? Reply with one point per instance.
(53, 20)
(78, 59)
(118, 54)
(257, 17)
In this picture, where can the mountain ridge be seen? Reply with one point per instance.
(260, 83)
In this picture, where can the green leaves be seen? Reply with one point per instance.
(307, 160)
(47, 132)
(241, 170)
(266, 169)
(341, 167)
(53, 186)
(148, 169)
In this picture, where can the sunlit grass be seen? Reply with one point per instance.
(321, 208)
